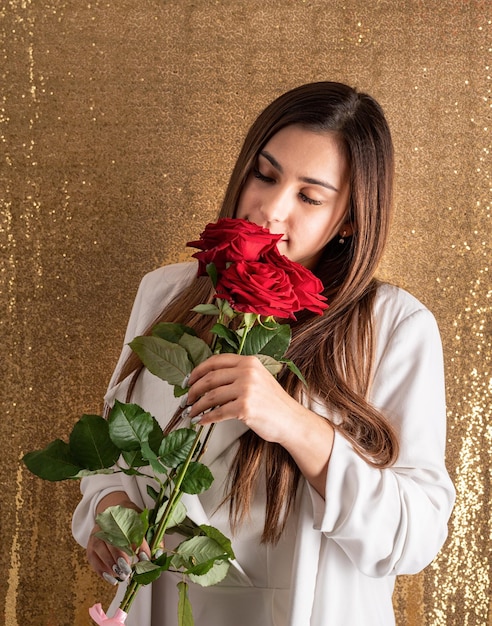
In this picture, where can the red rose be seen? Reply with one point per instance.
(305, 284)
(256, 287)
(231, 240)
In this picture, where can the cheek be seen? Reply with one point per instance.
(316, 233)
(245, 202)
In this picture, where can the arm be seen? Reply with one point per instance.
(387, 521)
(99, 492)
(394, 521)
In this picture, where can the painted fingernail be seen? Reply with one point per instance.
(159, 553)
(197, 418)
(109, 579)
(185, 382)
(184, 400)
(123, 566)
(120, 577)
(186, 412)
(143, 556)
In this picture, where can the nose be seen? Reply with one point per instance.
(275, 206)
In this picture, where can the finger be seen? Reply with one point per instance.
(143, 552)
(222, 372)
(216, 391)
(215, 362)
(217, 414)
(107, 561)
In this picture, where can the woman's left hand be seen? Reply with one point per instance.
(231, 386)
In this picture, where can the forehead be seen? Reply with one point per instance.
(298, 149)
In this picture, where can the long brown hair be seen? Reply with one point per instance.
(334, 351)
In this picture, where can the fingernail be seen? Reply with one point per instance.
(186, 412)
(109, 579)
(120, 577)
(123, 566)
(197, 418)
(143, 556)
(183, 401)
(159, 553)
(185, 382)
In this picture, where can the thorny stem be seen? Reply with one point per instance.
(175, 496)
(133, 586)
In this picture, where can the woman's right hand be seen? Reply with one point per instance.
(107, 561)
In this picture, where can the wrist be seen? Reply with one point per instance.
(116, 498)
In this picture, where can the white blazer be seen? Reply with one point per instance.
(337, 564)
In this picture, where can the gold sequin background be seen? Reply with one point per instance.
(119, 125)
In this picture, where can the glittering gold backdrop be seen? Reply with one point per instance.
(119, 124)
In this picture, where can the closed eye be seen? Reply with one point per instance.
(305, 198)
(266, 179)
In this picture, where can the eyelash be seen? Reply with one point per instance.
(267, 179)
(262, 177)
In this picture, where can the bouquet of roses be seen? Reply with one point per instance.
(254, 284)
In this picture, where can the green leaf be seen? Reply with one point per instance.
(198, 550)
(151, 456)
(129, 425)
(225, 308)
(176, 446)
(198, 478)
(146, 572)
(198, 351)
(273, 366)
(218, 537)
(295, 370)
(156, 435)
(177, 516)
(187, 528)
(133, 458)
(91, 445)
(168, 361)
(122, 527)
(213, 576)
(206, 309)
(85, 473)
(212, 272)
(164, 561)
(152, 493)
(179, 391)
(227, 334)
(55, 462)
(201, 568)
(272, 342)
(249, 319)
(171, 332)
(131, 471)
(185, 614)
(197, 554)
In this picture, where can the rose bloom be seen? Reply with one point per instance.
(306, 285)
(231, 240)
(256, 287)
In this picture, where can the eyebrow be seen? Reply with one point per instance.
(304, 179)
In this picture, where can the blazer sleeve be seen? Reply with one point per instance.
(156, 289)
(394, 520)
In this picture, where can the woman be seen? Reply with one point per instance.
(328, 493)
